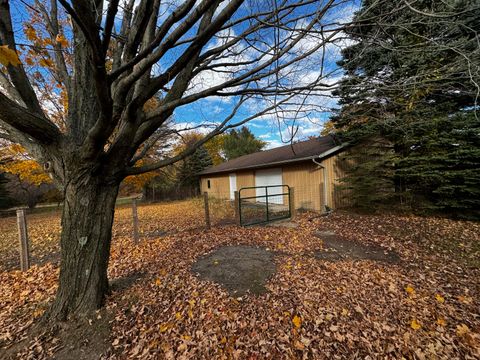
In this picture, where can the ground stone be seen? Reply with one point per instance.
(240, 269)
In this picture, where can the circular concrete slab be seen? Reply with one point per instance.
(240, 269)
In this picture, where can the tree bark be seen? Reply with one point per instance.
(85, 246)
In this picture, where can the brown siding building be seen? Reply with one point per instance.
(313, 168)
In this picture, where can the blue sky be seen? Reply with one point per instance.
(270, 129)
(308, 120)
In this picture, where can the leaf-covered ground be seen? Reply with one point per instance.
(425, 306)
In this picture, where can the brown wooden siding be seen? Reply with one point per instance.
(246, 179)
(306, 178)
(219, 185)
(337, 166)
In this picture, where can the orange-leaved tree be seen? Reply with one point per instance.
(137, 182)
(214, 146)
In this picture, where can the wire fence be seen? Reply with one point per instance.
(157, 194)
(248, 206)
(221, 208)
(315, 197)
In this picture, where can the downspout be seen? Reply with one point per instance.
(325, 185)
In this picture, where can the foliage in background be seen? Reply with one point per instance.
(17, 162)
(214, 146)
(179, 182)
(135, 183)
(419, 96)
(190, 168)
(443, 166)
(28, 194)
(4, 198)
(25, 180)
(241, 142)
(29, 178)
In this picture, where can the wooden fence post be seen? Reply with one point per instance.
(23, 238)
(293, 210)
(135, 221)
(236, 204)
(207, 210)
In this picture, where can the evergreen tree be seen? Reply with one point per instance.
(406, 61)
(241, 142)
(192, 166)
(411, 82)
(443, 167)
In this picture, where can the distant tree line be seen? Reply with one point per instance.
(183, 179)
(23, 182)
(410, 98)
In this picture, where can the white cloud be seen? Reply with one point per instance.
(273, 144)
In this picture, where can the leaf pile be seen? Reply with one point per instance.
(426, 306)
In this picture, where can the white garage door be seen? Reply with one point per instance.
(269, 177)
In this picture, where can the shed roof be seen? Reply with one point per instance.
(304, 150)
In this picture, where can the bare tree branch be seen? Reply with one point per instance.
(28, 122)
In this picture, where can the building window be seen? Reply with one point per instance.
(208, 184)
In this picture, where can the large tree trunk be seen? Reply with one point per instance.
(85, 246)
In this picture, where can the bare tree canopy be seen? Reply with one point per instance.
(123, 54)
(120, 69)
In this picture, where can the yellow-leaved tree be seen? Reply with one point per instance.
(16, 161)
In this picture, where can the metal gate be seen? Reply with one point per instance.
(262, 204)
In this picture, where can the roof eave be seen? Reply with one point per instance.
(321, 156)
